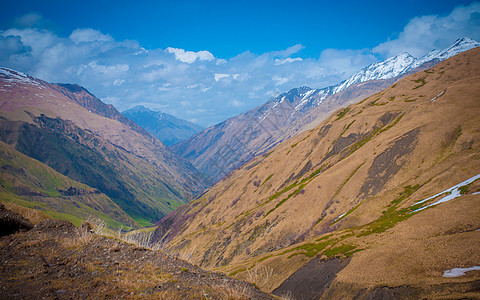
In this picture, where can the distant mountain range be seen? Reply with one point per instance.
(167, 128)
(106, 157)
(220, 149)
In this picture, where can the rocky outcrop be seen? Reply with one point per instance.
(11, 222)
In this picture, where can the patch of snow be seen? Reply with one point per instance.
(304, 99)
(457, 272)
(339, 217)
(15, 77)
(454, 192)
(437, 96)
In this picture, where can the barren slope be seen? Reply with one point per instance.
(55, 260)
(346, 188)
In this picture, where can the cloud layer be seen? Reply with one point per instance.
(425, 33)
(198, 86)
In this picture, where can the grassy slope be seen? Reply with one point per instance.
(368, 162)
(30, 183)
(136, 185)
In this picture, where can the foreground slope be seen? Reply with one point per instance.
(72, 131)
(346, 188)
(220, 149)
(55, 260)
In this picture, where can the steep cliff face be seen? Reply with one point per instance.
(351, 187)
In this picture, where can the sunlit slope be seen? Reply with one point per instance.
(355, 176)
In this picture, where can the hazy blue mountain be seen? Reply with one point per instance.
(167, 128)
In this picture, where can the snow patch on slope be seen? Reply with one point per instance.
(15, 77)
(452, 193)
(457, 272)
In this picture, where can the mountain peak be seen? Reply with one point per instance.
(138, 109)
(404, 62)
(401, 55)
(17, 77)
(167, 128)
(464, 40)
(460, 45)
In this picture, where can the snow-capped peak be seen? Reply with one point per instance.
(461, 45)
(13, 76)
(389, 68)
(404, 62)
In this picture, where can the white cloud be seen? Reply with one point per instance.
(109, 71)
(190, 56)
(31, 20)
(118, 82)
(287, 60)
(289, 51)
(89, 35)
(197, 85)
(425, 33)
(219, 76)
(236, 103)
(343, 62)
(280, 80)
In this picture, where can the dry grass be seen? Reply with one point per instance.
(82, 237)
(287, 296)
(188, 254)
(140, 239)
(148, 276)
(260, 277)
(98, 226)
(33, 215)
(232, 292)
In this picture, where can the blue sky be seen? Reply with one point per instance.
(206, 61)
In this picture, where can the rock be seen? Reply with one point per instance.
(11, 222)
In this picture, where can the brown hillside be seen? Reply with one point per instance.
(73, 132)
(346, 188)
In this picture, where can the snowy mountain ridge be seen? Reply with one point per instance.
(402, 63)
(304, 97)
(220, 149)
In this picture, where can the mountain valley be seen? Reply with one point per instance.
(368, 189)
